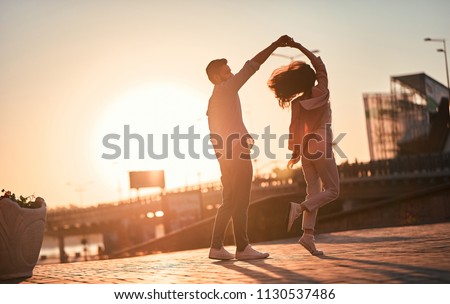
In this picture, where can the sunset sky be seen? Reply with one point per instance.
(72, 72)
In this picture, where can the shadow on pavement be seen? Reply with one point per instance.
(396, 271)
(269, 274)
(344, 239)
(13, 281)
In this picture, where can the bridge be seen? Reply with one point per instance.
(124, 224)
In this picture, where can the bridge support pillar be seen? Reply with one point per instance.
(62, 253)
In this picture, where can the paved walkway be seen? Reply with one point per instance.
(413, 254)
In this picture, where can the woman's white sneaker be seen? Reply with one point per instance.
(308, 241)
(294, 212)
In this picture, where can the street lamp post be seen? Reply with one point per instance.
(444, 50)
(292, 57)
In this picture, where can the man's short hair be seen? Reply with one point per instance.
(214, 66)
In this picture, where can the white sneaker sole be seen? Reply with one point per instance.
(221, 258)
(253, 257)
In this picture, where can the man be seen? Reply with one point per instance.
(232, 144)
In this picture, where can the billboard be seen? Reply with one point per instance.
(147, 179)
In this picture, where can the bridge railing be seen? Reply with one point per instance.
(409, 164)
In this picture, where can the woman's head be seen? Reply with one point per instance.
(290, 81)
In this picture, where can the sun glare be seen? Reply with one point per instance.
(136, 133)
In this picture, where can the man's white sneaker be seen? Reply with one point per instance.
(294, 212)
(220, 254)
(250, 254)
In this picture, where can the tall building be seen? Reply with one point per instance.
(412, 119)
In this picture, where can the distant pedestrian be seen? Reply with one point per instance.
(232, 145)
(311, 137)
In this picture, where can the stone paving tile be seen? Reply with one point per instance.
(413, 254)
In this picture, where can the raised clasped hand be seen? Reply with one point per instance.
(285, 40)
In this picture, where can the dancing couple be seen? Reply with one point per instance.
(310, 141)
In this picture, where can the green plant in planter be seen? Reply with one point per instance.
(24, 202)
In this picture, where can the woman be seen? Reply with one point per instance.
(311, 138)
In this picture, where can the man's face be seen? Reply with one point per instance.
(224, 73)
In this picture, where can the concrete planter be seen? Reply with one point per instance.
(21, 236)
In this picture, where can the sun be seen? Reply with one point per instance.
(146, 128)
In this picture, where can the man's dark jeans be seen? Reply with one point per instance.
(237, 174)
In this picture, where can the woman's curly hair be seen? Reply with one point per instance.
(287, 82)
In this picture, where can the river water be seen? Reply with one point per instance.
(73, 247)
